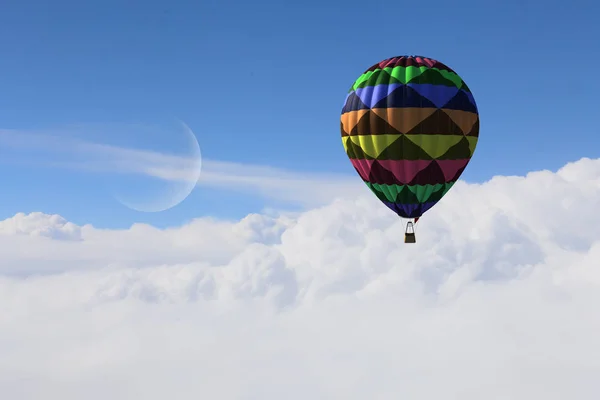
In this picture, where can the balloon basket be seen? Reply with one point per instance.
(409, 235)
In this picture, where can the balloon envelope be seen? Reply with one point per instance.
(410, 126)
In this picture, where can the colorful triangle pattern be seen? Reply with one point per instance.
(410, 126)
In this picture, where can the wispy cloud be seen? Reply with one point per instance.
(55, 150)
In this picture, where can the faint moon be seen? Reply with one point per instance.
(163, 182)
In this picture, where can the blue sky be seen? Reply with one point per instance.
(262, 83)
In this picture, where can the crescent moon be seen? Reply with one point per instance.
(178, 191)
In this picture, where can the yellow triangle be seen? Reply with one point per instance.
(472, 143)
(404, 119)
(373, 145)
(435, 145)
(345, 143)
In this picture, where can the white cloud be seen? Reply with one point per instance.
(497, 300)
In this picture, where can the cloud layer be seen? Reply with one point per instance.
(497, 300)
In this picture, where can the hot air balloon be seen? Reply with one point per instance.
(410, 126)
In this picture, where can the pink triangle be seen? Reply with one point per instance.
(451, 167)
(404, 170)
(363, 167)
